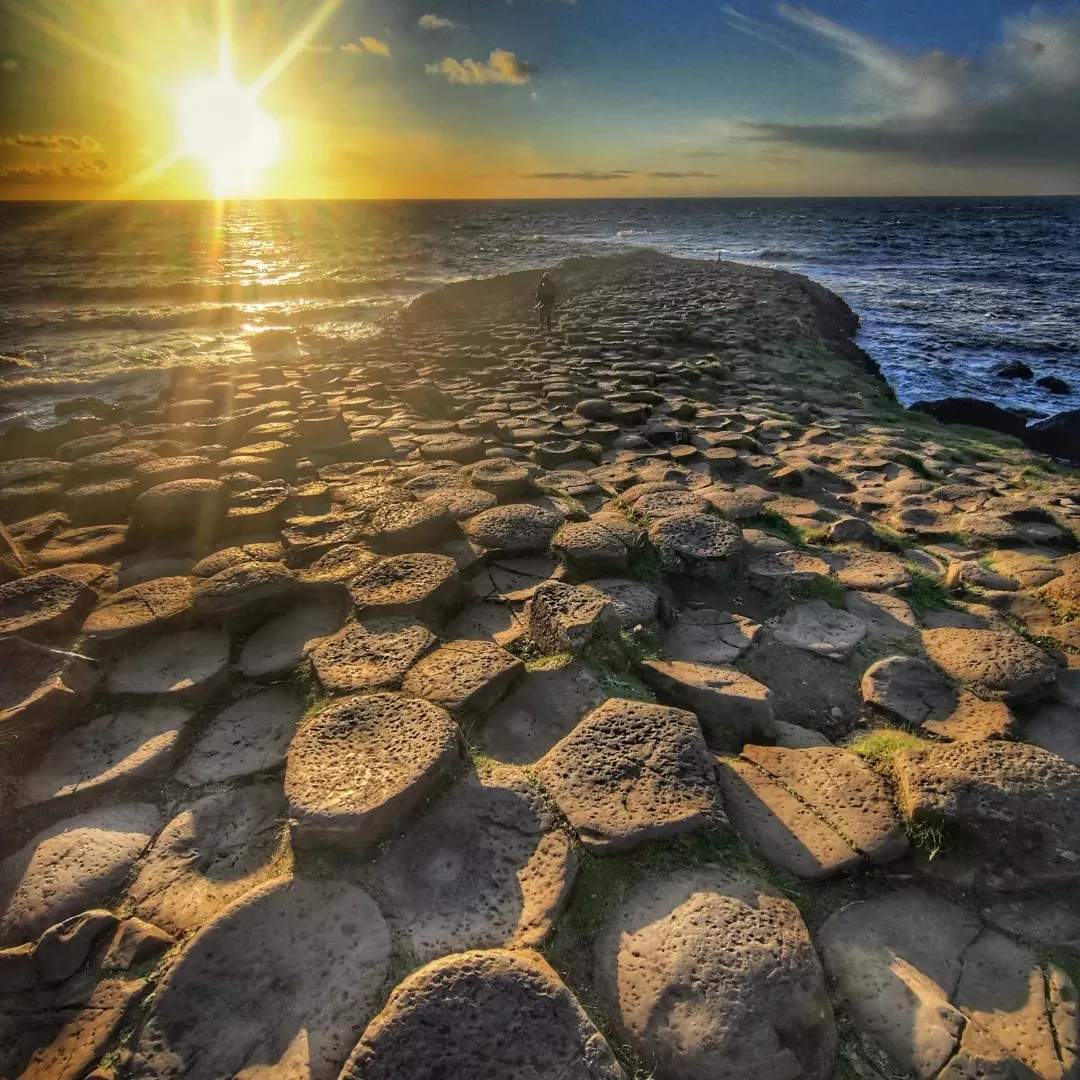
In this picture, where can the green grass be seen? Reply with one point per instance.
(771, 521)
(926, 593)
(614, 662)
(916, 465)
(878, 747)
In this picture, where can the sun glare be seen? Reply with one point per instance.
(221, 124)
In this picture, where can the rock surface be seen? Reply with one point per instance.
(464, 676)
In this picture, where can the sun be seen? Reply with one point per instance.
(220, 123)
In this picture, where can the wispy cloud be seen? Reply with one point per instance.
(321, 49)
(92, 172)
(693, 174)
(435, 22)
(500, 67)
(1017, 105)
(586, 174)
(56, 144)
(367, 45)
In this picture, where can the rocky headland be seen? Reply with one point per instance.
(651, 698)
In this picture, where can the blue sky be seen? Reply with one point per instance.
(553, 97)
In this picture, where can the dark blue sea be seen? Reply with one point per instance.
(113, 294)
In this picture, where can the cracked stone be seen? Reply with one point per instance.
(371, 654)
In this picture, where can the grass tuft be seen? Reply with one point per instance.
(926, 593)
(614, 662)
(771, 521)
(916, 465)
(878, 747)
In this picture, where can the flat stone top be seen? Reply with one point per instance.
(141, 605)
(35, 604)
(993, 663)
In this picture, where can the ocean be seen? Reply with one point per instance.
(105, 297)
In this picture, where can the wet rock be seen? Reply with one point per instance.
(44, 607)
(821, 629)
(189, 667)
(282, 982)
(1016, 805)
(732, 708)
(708, 636)
(212, 852)
(371, 654)
(281, 644)
(421, 585)
(1013, 369)
(568, 618)
(140, 611)
(516, 529)
(631, 772)
(712, 974)
(1054, 384)
(485, 868)
(362, 763)
(110, 752)
(697, 540)
(42, 690)
(180, 508)
(245, 595)
(994, 664)
(500, 1012)
(74, 865)
(974, 413)
(464, 676)
(946, 998)
(250, 736)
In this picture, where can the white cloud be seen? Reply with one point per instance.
(367, 45)
(501, 67)
(435, 22)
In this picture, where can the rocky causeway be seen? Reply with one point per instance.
(650, 698)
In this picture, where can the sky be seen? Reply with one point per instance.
(539, 98)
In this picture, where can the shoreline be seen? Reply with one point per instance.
(517, 641)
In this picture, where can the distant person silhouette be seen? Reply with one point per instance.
(545, 301)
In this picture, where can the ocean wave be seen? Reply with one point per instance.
(633, 232)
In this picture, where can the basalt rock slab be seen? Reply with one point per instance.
(180, 509)
(110, 752)
(635, 603)
(871, 572)
(94, 544)
(186, 667)
(515, 529)
(464, 676)
(708, 636)
(245, 595)
(252, 735)
(695, 541)
(885, 616)
(568, 618)
(1056, 728)
(631, 772)
(77, 864)
(371, 654)
(425, 586)
(410, 526)
(821, 629)
(484, 869)
(501, 1013)
(281, 984)
(358, 766)
(590, 548)
(712, 974)
(208, 855)
(1016, 805)
(136, 613)
(42, 690)
(280, 645)
(995, 664)
(44, 607)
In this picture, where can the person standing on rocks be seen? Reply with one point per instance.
(545, 301)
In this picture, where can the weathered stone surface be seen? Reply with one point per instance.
(780, 826)
(916, 693)
(793, 566)
(180, 508)
(695, 540)
(945, 997)
(635, 604)
(94, 544)
(64, 947)
(465, 676)
(245, 595)
(329, 574)
(278, 646)
(210, 854)
(137, 612)
(516, 529)
(483, 869)
(590, 548)
(708, 636)
(250, 736)
(422, 585)
(504, 478)
(1056, 728)
(819, 628)
(793, 737)
(1048, 918)
(872, 572)
(135, 942)
(486, 621)
(732, 708)
(363, 762)
(137, 743)
(995, 664)
(568, 618)
(885, 616)
(74, 865)
(42, 690)
(280, 984)
(538, 712)
(44, 607)
(1017, 805)
(631, 772)
(189, 666)
(660, 504)
(495, 1013)
(711, 974)
(843, 790)
(371, 654)
(399, 527)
